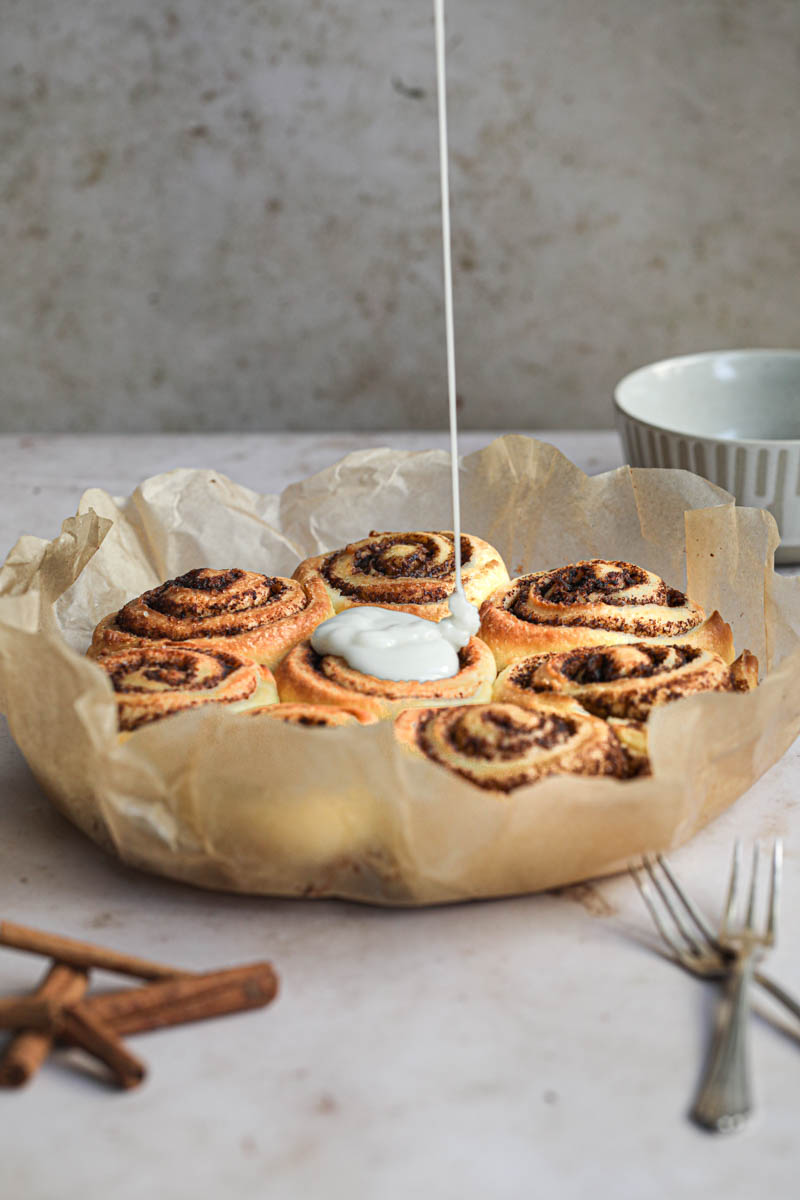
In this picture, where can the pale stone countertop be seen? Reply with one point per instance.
(531, 1047)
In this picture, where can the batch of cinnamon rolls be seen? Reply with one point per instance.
(562, 677)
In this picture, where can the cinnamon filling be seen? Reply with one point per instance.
(202, 597)
(204, 579)
(584, 583)
(506, 738)
(170, 670)
(626, 622)
(639, 662)
(523, 674)
(396, 558)
(171, 598)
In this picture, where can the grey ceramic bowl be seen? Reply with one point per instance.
(732, 416)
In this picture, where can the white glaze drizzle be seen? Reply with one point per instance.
(398, 645)
(447, 271)
(381, 641)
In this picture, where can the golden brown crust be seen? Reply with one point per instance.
(413, 572)
(501, 747)
(159, 680)
(312, 678)
(744, 672)
(314, 715)
(713, 634)
(624, 681)
(594, 603)
(258, 617)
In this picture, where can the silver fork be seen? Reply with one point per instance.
(699, 951)
(723, 1101)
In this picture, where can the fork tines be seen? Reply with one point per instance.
(748, 926)
(693, 938)
(682, 938)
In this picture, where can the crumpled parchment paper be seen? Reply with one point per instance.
(226, 802)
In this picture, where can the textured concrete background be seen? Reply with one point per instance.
(223, 214)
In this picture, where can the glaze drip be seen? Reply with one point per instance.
(397, 645)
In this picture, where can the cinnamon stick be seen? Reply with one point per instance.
(28, 1012)
(26, 1052)
(83, 954)
(174, 1002)
(87, 1030)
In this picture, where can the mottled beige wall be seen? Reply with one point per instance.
(224, 213)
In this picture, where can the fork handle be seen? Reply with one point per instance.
(723, 1102)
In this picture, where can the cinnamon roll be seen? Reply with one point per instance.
(258, 617)
(160, 680)
(414, 572)
(313, 715)
(502, 746)
(625, 681)
(310, 678)
(594, 603)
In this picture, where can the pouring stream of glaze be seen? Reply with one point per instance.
(380, 641)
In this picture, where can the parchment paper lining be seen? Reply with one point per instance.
(227, 802)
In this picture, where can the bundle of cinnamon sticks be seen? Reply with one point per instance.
(61, 1011)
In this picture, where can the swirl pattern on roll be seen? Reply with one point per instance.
(593, 603)
(155, 681)
(313, 716)
(259, 617)
(310, 678)
(625, 681)
(412, 571)
(501, 747)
